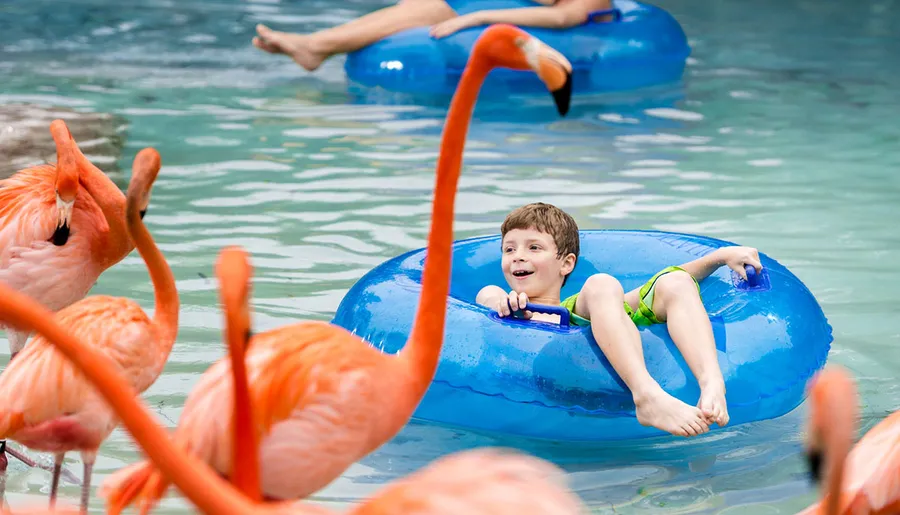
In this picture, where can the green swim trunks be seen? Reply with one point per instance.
(643, 316)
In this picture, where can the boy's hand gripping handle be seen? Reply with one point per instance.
(544, 308)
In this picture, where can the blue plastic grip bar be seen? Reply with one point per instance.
(616, 14)
(547, 309)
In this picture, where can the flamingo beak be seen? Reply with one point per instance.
(63, 222)
(554, 70)
(814, 464)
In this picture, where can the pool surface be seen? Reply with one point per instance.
(782, 136)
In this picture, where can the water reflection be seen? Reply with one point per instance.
(781, 137)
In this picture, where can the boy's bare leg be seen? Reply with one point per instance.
(602, 299)
(310, 50)
(677, 302)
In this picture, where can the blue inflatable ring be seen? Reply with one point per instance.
(543, 380)
(642, 45)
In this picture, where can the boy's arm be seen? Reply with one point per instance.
(735, 257)
(555, 17)
(490, 296)
(559, 17)
(700, 268)
(493, 297)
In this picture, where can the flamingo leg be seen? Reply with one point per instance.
(19, 455)
(4, 461)
(54, 483)
(88, 458)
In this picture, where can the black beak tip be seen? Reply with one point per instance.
(563, 96)
(60, 235)
(814, 465)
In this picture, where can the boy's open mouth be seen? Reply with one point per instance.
(521, 273)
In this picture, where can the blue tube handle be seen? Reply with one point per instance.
(616, 14)
(752, 276)
(547, 309)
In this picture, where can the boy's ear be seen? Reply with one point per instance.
(568, 264)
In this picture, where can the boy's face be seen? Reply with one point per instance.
(530, 263)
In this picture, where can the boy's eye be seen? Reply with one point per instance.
(508, 249)
(535, 247)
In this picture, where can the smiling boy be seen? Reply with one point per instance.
(540, 246)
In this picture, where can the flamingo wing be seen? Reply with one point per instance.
(27, 210)
(478, 482)
(41, 384)
(293, 367)
(310, 394)
(872, 472)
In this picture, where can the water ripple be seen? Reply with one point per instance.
(781, 138)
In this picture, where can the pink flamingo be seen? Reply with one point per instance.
(56, 238)
(326, 398)
(46, 224)
(478, 482)
(50, 406)
(38, 208)
(861, 481)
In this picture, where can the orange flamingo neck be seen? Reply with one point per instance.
(166, 303)
(111, 201)
(66, 175)
(206, 489)
(427, 335)
(838, 441)
(244, 447)
(66, 178)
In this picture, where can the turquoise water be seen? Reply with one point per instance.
(782, 136)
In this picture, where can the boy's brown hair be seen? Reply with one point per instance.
(548, 219)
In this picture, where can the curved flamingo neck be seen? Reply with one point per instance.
(206, 489)
(65, 179)
(111, 201)
(245, 444)
(166, 304)
(66, 172)
(838, 443)
(426, 338)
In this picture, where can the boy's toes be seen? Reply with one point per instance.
(700, 426)
(713, 406)
(670, 414)
(720, 415)
(723, 419)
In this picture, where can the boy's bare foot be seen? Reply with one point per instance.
(712, 403)
(662, 411)
(297, 46)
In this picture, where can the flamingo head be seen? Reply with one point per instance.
(234, 271)
(144, 170)
(511, 47)
(833, 412)
(66, 180)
